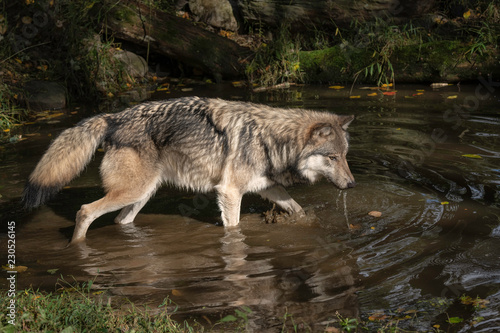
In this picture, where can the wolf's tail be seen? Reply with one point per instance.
(64, 160)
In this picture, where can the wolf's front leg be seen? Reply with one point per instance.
(229, 200)
(280, 196)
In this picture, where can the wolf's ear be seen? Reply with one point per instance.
(345, 121)
(319, 130)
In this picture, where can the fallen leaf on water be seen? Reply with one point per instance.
(471, 156)
(377, 316)
(375, 213)
(372, 94)
(452, 97)
(420, 90)
(26, 20)
(455, 320)
(98, 292)
(445, 203)
(355, 96)
(389, 93)
(18, 269)
(176, 292)
(336, 87)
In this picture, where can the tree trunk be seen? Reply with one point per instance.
(176, 38)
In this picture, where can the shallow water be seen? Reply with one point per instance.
(438, 237)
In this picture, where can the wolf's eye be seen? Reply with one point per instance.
(332, 157)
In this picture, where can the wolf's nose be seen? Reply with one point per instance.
(351, 184)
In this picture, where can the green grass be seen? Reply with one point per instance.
(78, 309)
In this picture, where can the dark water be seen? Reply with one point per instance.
(438, 237)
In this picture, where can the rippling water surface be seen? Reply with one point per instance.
(428, 163)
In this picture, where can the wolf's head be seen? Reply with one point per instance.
(325, 152)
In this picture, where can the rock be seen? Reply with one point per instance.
(44, 95)
(134, 65)
(217, 13)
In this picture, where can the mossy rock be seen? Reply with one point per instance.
(427, 62)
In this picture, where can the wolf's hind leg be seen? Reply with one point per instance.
(280, 196)
(129, 180)
(128, 213)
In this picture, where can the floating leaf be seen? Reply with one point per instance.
(389, 93)
(375, 213)
(13, 268)
(355, 96)
(377, 316)
(26, 20)
(372, 94)
(176, 292)
(336, 87)
(455, 320)
(445, 203)
(471, 156)
(452, 97)
(420, 90)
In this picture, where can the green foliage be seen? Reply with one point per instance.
(75, 308)
(240, 318)
(277, 62)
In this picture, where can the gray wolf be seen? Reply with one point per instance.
(200, 144)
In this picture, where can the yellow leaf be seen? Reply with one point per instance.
(372, 94)
(26, 20)
(471, 156)
(176, 292)
(355, 96)
(445, 203)
(336, 87)
(467, 14)
(18, 269)
(375, 213)
(420, 90)
(452, 97)
(6, 130)
(110, 94)
(98, 292)
(162, 89)
(18, 60)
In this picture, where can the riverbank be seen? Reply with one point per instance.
(53, 54)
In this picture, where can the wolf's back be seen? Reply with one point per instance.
(65, 158)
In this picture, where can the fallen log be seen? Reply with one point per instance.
(176, 38)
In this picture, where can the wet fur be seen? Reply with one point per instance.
(199, 144)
